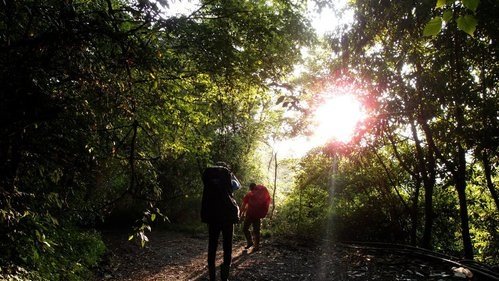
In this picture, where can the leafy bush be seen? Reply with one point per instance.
(303, 213)
(368, 222)
(54, 254)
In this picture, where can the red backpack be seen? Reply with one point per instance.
(259, 202)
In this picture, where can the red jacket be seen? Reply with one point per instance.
(257, 201)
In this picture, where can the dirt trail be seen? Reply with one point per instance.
(179, 256)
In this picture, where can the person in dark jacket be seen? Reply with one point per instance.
(220, 211)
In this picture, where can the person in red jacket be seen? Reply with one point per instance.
(255, 206)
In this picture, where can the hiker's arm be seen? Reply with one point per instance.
(244, 205)
(243, 209)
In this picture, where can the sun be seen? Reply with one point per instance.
(337, 118)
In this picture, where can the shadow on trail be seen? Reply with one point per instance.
(239, 256)
(180, 256)
(274, 261)
(167, 256)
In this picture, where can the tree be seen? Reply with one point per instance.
(434, 87)
(99, 96)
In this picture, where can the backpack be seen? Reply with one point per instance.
(218, 205)
(236, 185)
(259, 202)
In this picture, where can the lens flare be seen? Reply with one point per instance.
(336, 118)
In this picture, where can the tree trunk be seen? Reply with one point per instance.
(415, 172)
(132, 156)
(460, 178)
(428, 174)
(427, 162)
(428, 223)
(488, 177)
(415, 214)
(275, 186)
(429, 184)
(460, 170)
(463, 213)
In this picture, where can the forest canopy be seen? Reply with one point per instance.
(423, 164)
(111, 109)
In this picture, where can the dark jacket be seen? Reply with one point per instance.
(218, 205)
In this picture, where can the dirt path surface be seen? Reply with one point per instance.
(179, 256)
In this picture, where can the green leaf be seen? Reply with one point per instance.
(39, 236)
(130, 238)
(447, 16)
(53, 220)
(467, 24)
(440, 3)
(36, 255)
(433, 27)
(471, 4)
(153, 217)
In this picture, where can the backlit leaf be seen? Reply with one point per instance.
(447, 16)
(467, 24)
(433, 27)
(440, 3)
(471, 4)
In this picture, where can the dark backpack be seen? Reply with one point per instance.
(218, 205)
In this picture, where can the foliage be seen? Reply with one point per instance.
(55, 254)
(419, 161)
(110, 109)
(412, 166)
(305, 210)
(463, 12)
(304, 214)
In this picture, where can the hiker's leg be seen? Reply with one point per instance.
(247, 233)
(224, 272)
(256, 232)
(227, 232)
(214, 233)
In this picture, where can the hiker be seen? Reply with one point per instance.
(255, 206)
(220, 211)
